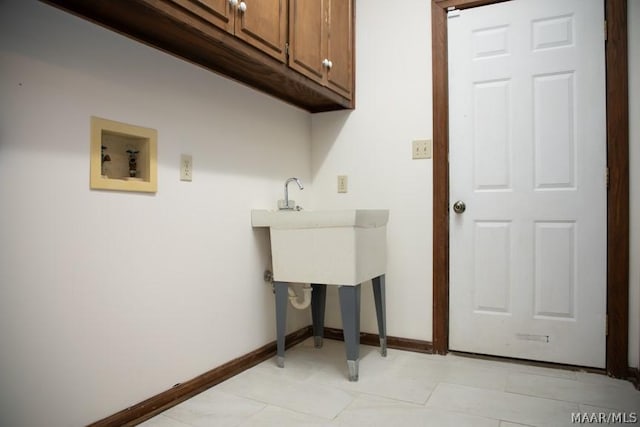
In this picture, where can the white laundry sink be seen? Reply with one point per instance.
(333, 247)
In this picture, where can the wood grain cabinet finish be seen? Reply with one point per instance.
(264, 25)
(261, 23)
(246, 40)
(321, 42)
(217, 12)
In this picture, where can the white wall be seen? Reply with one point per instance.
(109, 298)
(372, 146)
(634, 161)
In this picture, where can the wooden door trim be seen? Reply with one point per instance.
(617, 196)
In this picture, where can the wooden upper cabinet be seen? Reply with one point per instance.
(261, 23)
(217, 12)
(340, 47)
(246, 40)
(307, 38)
(321, 42)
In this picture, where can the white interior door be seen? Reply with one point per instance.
(528, 158)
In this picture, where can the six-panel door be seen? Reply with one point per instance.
(527, 157)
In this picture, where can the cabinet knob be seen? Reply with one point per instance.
(325, 63)
(329, 65)
(233, 3)
(242, 7)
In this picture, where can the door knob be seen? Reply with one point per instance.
(459, 207)
(242, 7)
(233, 3)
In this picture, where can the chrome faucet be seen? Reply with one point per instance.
(287, 204)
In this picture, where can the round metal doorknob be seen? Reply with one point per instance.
(459, 207)
(242, 7)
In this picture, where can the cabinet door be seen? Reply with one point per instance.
(340, 47)
(307, 37)
(263, 24)
(217, 12)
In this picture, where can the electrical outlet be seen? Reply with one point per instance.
(342, 183)
(186, 168)
(421, 149)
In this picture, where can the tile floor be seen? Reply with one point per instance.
(403, 389)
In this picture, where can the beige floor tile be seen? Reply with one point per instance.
(615, 395)
(404, 388)
(273, 416)
(511, 407)
(278, 390)
(213, 407)
(374, 411)
(163, 421)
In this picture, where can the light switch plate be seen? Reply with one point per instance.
(342, 183)
(186, 167)
(421, 149)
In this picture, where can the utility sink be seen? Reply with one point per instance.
(333, 247)
(343, 248)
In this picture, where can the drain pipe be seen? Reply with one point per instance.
(306, 297)
(293, 297)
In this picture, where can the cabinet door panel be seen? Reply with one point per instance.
(307, 35)
(340, 47)
(216, 12)
(264, 25)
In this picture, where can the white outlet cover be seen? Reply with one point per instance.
(343, 183)
(186, 167)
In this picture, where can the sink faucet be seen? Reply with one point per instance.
(287, 204)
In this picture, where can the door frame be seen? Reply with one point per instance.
(617, 110)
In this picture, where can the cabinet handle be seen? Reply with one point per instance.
(233, 3)
(330, 65)
(242, 7)
(325, 63)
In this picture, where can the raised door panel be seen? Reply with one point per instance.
(307, 38)
(216, 12)
(528, 157)
(340, 47)
(263, 24)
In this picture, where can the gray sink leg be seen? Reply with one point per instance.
(318, 301)
(379, 297)
(350, 309)
(282, 298)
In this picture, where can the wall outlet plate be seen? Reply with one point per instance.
(186, 167)
(343, 183)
